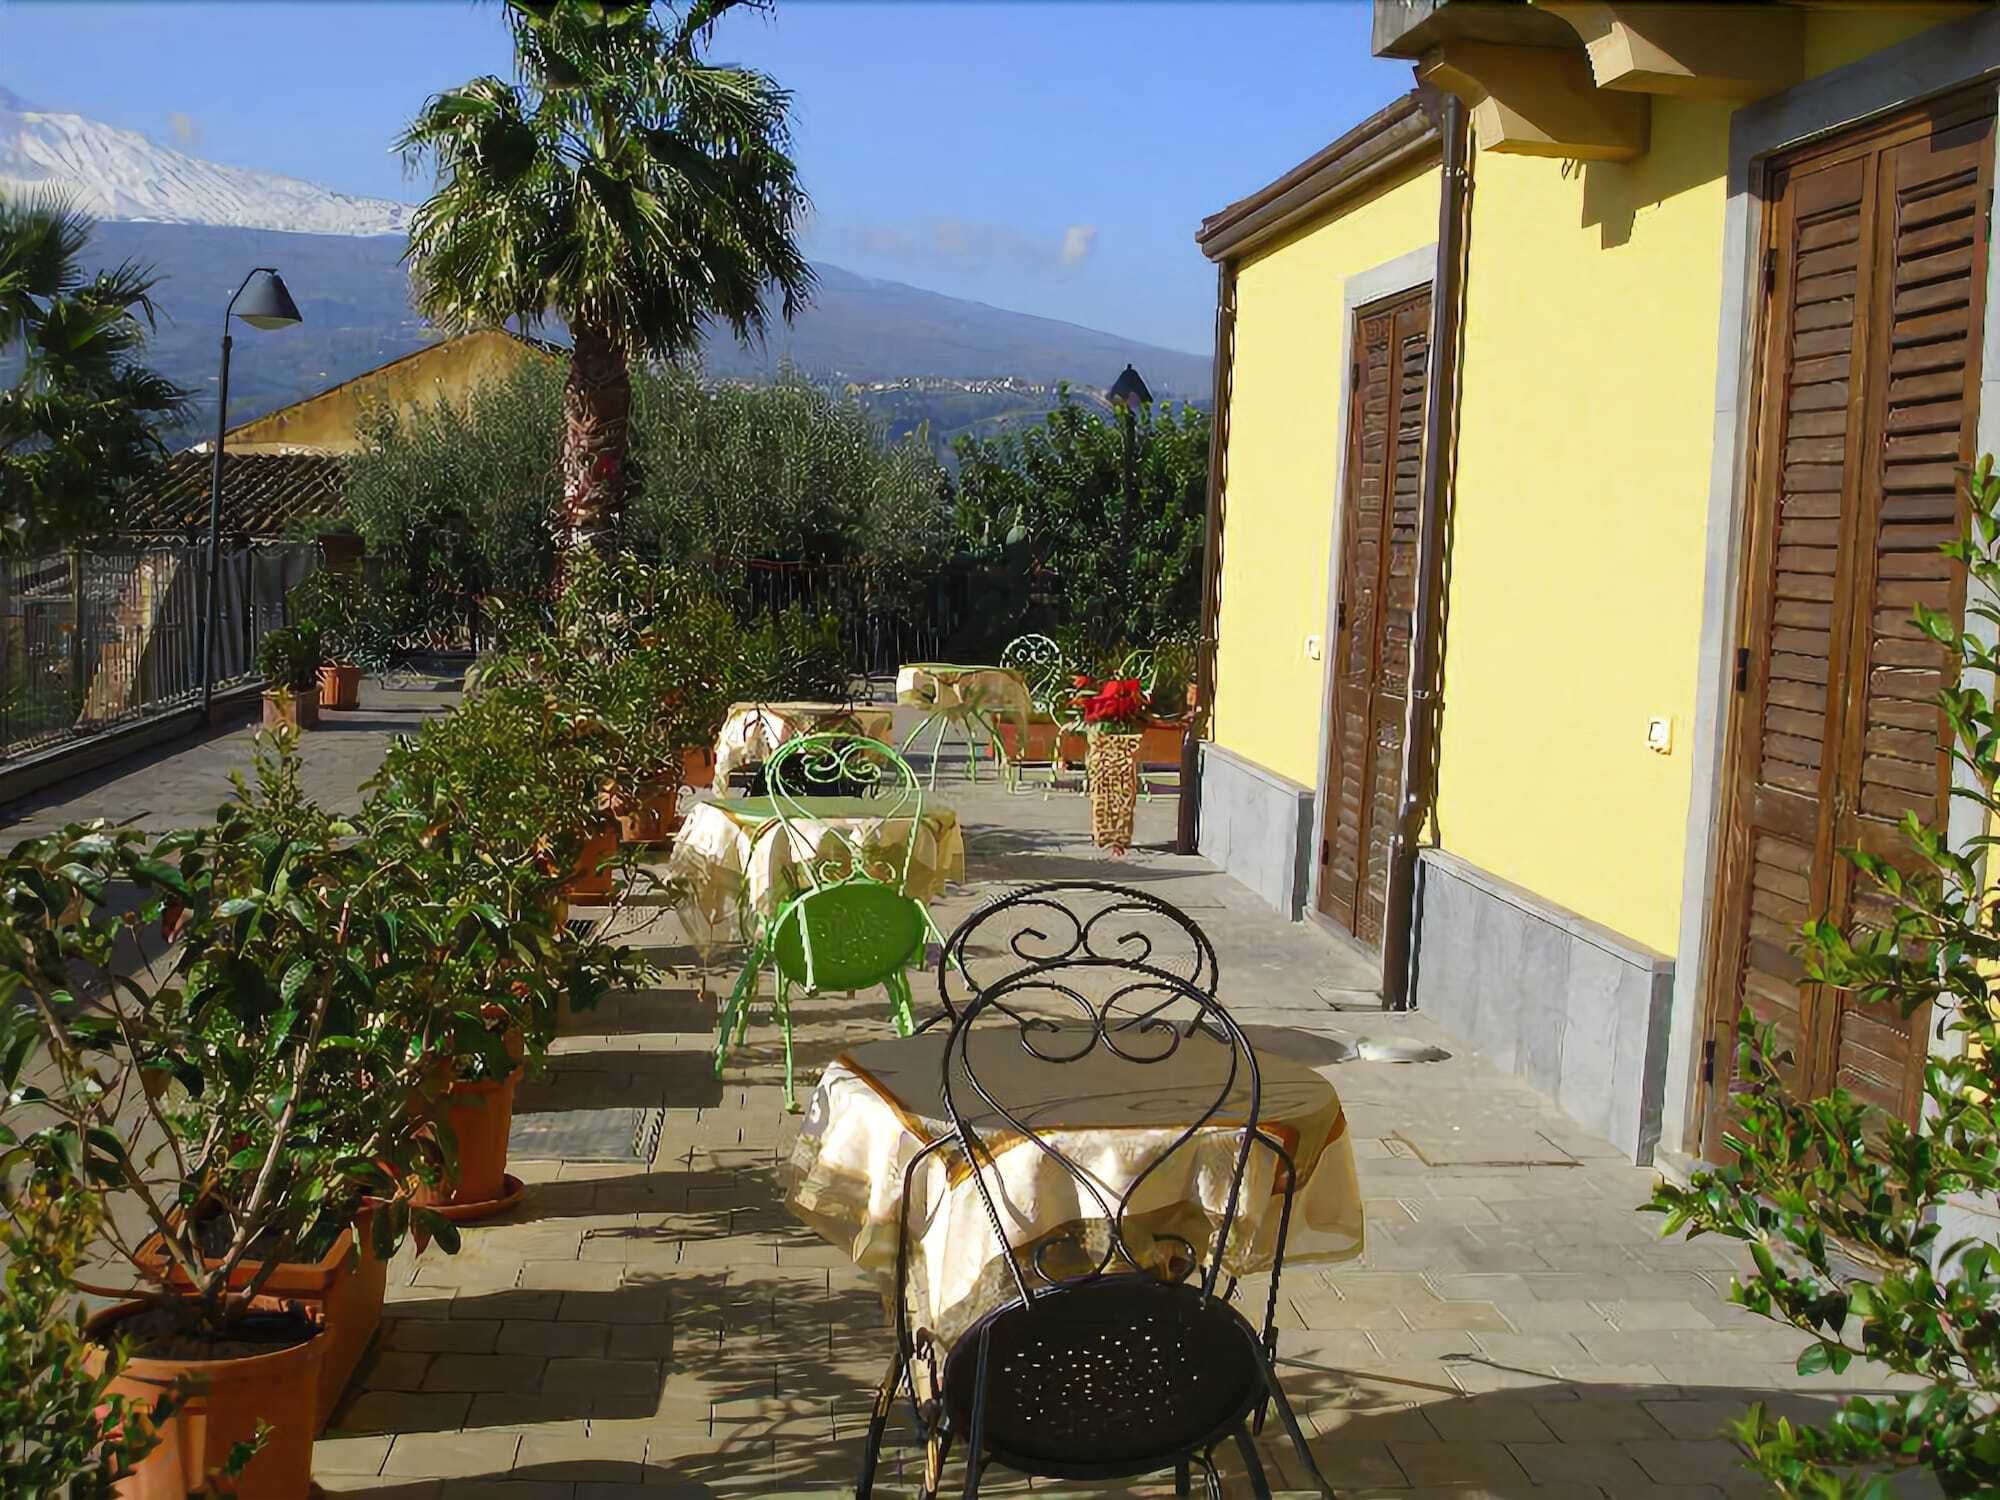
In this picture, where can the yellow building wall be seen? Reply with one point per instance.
(1578, 542)
(1286, 429)
(331, 421)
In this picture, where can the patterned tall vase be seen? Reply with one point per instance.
(1114, 788)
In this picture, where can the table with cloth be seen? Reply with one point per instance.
(971, 698)
(878, 1104)
(735, 861)
(753, 731)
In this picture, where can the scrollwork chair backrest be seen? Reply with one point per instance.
(844, 764)
(1071, 920)
(1129, 1019)
(1041, 665)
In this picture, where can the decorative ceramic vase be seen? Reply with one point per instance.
(1114, 788)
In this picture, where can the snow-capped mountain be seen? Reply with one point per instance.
(120, 174)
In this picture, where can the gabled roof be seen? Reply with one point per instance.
(264, 495)
(1389, 142)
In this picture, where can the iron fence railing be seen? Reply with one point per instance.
(90, 639)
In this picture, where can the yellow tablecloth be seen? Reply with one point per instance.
(878, 1104)
(754, 730)
(735, 858)
(958, 691)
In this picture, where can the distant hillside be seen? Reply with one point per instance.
(354, 294)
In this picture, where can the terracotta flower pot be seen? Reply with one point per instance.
(227, 1399)
(295, 711)
(1037, 746)
(698, 767)
(480, 1112)
(341, 1291)
(654, 814)
(340, 687)
(1114, 788)
(590, 880)
(1160, 742)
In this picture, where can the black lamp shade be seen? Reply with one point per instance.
(266, 304)
(1129, 391)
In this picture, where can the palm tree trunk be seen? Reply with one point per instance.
(597, 407)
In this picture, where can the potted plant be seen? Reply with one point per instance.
(64, 1430)
(249, 1108)
(332, 598)
(1114, 718)
(289, 658)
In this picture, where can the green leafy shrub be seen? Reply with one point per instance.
(62, 1431)
(1857, 1223)
(291, 656)
(791, 655)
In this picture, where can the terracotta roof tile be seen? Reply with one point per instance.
(263, 494)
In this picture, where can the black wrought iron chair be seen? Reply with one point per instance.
(1112, 1353)
(1069, 919)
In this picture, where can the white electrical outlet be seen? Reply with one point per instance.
(1660, 736)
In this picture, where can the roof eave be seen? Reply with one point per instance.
(1389, 142)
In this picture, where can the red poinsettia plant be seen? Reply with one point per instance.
(1116, 705)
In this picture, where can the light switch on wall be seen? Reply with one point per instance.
(1660, 736)
(1312, 647)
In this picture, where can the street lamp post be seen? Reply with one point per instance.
(269, 306)
(1128, 393)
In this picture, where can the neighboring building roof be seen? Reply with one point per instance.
(264, 495)
(330, 421)
(1389, 141)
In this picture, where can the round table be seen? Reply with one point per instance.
(735, 862)
(971, 698)
(753, 731)
(878, 1104)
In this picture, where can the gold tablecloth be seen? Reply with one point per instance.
(878, 1104)
(735, 858)
(754, 730)
(959, 691)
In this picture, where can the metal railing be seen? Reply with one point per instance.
(91, 639)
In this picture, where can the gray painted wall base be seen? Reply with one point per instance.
(1574, 1008)
(1257, 825)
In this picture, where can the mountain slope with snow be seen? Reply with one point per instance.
(120, 174)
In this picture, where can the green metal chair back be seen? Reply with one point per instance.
(1139, 663)
(844, 764)
(1040, 662)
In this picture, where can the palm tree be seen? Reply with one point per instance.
(80, 422)
(626, 186)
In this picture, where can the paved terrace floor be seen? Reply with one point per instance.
(665, 1328)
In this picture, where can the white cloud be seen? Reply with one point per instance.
(1077, 242)
(968, 244)
(186, 131)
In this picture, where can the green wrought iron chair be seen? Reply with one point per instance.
(1140, 662)
(848, 923)
(1045, 668)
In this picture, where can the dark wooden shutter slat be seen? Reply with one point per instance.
(1870, 373)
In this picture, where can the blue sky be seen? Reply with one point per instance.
(1051, 157)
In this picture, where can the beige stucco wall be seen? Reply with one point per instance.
(331, 421)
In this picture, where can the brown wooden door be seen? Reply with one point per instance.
(1875, 277)
(1377, 583)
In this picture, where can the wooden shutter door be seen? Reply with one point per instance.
(1377, 585)
(1875, 282)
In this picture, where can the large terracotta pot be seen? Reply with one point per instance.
(1037, 746)
(590, 880)
(1114, 788)
(342, 1291)
(226, 1400)
(698, 767)
(654, 813)
(297, 711)
(340, 687)
(1160, 742)
(480, 1112)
